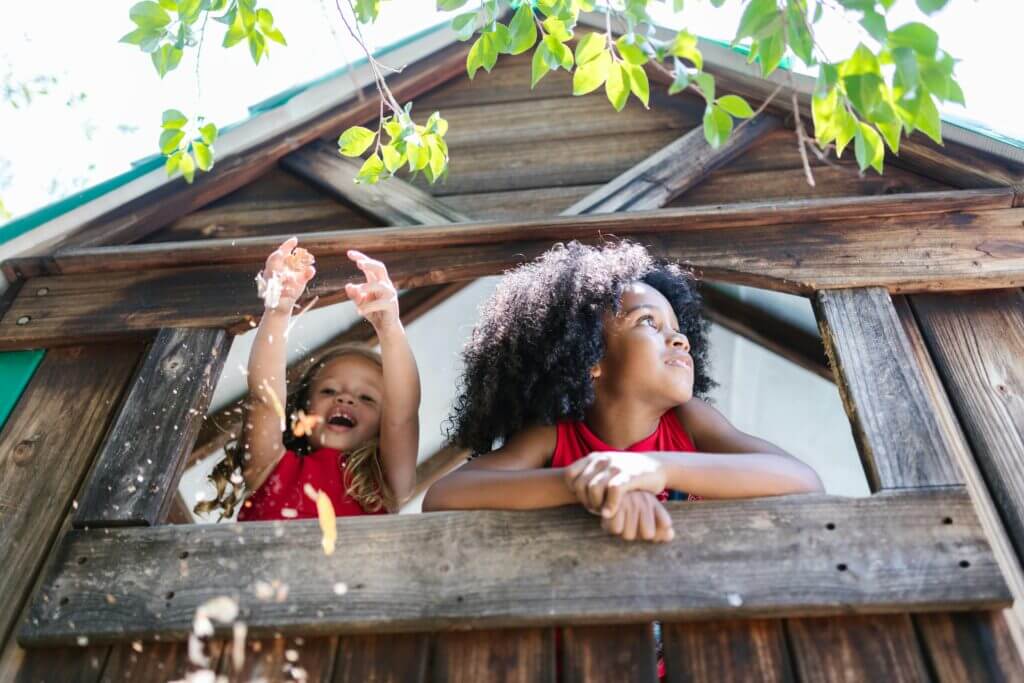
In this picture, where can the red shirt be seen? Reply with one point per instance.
(322, 469)
(576, 441)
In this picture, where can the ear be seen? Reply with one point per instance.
(595, 371)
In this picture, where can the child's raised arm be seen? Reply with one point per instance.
(282, 282)
(377, 301)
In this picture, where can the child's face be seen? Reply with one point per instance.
(347, 394)
(645, 354)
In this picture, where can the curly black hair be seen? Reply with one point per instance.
(529, 357)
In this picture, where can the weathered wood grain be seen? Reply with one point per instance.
(138, 467)
(902, 441)
(714, 651)
(792, 555)
(968, 647)
(282, 659)
(46, 448)
(382, 658)
(505, 656)
(138, 661)
(608, 653)
(857, 649)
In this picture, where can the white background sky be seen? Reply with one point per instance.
(50, 149)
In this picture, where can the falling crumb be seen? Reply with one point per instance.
(111, 600)
(735, 599)
(289, 513)
(303, 425)
(82, 641)
(298, 673)
(263, 590)
(74, 504)
(340, 588)
(291, 655)
(325, 513)
(238, 645)
(137, 645)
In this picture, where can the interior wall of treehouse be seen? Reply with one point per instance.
(760, 392)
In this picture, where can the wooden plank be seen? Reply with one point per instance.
(903, 254)
(138, 661)
(154, 210)
(961, 205)
(382, 658)
(713, 651)
(672, 170)
(771, 333)
(609, 653)
(282, 659)
(138, 468)
(968, 647)
(901, 440)
(45, 450)
(889, 552)
(977, 342)
(393, 203)
(66, 665)
(505, 656)
(179, 512)
(518, 204)
(857, 649)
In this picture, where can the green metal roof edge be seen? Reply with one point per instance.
(19, 226)
(16, 369)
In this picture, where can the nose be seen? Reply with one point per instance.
(678, 340)
(345, 398)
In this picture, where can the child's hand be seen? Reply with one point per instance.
(640, 515)
(285, 275)
(601, 479)
(376, 299)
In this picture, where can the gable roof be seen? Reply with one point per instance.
(293, 107)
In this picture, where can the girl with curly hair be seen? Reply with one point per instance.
(354, 420)
(588, 366)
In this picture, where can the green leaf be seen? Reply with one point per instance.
(393, 159)
(172, 118)
(846, 129)
(706, 83)
(141, 35)
(931, 6)
(149, 15)
(435, 124)
(684, 46)
(209, 133)
(616, 86)
(770, 51)
(736, 106)
(187, 167)
(203, 154)
(171, 165)
(257, 46)
(558, 52)
(276, 36)
(717, 125)
(874, 24)
(592, 75)
(438, 158)
(891, 134)
(630, 51)
(367, 11)
(166, 59)
(169, 5)
(638, 84)
(450, 5)
(539, 66)
(556, 28)
(907, 72)
(419, 156)
(917, 36)
(236, 32)
(862, 61)
(590, 47)
(484, 52)
(824, 109)
(356, 140)
(868, 149)
(169, 139)
(370, 171)
(393, 128)
(680, 80)
(757, 15)
(927, 119)
(800, 39)
(465, 24)
(523, 30)
(265, 19)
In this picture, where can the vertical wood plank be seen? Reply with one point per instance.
(141, 461)
(892, 414)
(45, 449)
(129, 662)
(501, 656)
(714, 651)
(382, 658)
(62, 665)
(608, 653)
(857, 649)
(282, 659)
(970, 646)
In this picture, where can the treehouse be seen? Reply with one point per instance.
(122, 305)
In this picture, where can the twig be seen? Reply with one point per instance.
(759, 110)
(801, 138)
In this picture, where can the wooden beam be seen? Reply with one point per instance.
(903, 254)
(712, 651)
(524, 655)
(889, 552)
(671, 171)
(46, 448)
(395, 202)
(764, 215)
(623, 652)
(902, 441)
(146, 214)
(854, 649)
(774, 334)
(138, 467)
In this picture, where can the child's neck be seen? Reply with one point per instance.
(622, 421)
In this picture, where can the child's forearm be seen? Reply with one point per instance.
(268, 359)
(400, 411)
(484, 489)
(738, 475)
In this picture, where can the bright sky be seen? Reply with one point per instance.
(50, 149)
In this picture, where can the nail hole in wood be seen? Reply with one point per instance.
(841, 566)
(170, 594)
(184, 554)
(965, 564)
(830, 526)
(64, 601)
(82, 560)
(947, 520)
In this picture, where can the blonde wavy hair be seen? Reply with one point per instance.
(363, 473)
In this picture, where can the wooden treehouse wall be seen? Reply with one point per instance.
(519, 154)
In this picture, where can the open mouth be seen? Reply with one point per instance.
(680, 362)
(342, 420)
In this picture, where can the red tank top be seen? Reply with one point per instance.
(576, 441)
(322, 469)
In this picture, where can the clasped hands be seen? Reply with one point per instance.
(622, 488)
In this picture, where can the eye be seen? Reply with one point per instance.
(648, 320)
(368, 398)
(328, 391)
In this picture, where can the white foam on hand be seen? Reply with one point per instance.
(269, 289)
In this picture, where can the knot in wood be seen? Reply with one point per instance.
(172, 365)
(24, 451)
